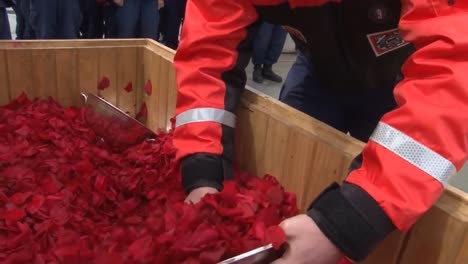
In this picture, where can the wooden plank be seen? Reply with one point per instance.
(75, 43)
(19, 64)
(171, 95)
(298, 169)
(157, 48)
(348, 146)
(151, 70)
(388, 251)
(276, 144)
(108, 69)
(440, 235)
(161, 91)
(463, 253)
(4, 87)
(140, 80)
(67, 76)
(127, 75)
(44, 73)
(250, 138)
(435, 239)
(88, 64)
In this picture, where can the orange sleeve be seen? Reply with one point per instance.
(210, 74)
(418, 146)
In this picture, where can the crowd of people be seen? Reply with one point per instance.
(91, 19)
(160, 20)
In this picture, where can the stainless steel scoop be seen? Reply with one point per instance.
(112, 124)
(261, 255)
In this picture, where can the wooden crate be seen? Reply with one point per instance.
(303, 153)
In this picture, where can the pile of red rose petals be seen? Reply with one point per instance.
(67, 197)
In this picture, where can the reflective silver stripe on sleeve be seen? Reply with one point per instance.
(206, 115)
(414, 152)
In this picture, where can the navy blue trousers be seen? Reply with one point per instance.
(24, 28)
(92, 25)
(137, 19)
(268, 44)
(5, 32)
(171, 19)
(55, 19)
(357, 113)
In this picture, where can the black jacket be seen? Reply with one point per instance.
(353, 44)
(7, 3)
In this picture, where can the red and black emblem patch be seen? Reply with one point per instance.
(386, 41)
(295, 33)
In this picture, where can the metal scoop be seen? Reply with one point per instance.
(261, 255)
(112, 124)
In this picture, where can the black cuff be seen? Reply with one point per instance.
(202, 170)
(351, 219)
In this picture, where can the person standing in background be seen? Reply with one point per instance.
(137, 18)
(5, 32)
(55, 19)
(24, 28)
(268, 45)
(171, 19)
(92, 12)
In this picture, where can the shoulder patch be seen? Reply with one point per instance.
(386, 41)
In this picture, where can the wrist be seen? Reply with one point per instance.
(202, 170)
(351, 219)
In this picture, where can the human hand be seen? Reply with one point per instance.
(197, 194)
(160, 4)
(307, 243)
(119, 2)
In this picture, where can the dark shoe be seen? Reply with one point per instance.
(270, 75)
(257, 74)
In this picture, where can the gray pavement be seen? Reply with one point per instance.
(282, 68)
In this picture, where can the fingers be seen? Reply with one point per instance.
(197, 194)
(280, 261)
(290, 226)
(286, 225)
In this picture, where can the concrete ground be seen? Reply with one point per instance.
(282, 68)
(273, 89)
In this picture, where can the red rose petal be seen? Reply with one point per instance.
(344, 261)
(20, 198)
(13, 215)
(23, 256)
(35, 204)
(143, 113)
(100, 183)
(23, 131)
(104, 83)
(259, 231)
(276, 236)
(3, 197)
(129, 87)
(51, 185)
(203, 236)
(148, 88)
(138, 249)
(214, 255)
(23, 237)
